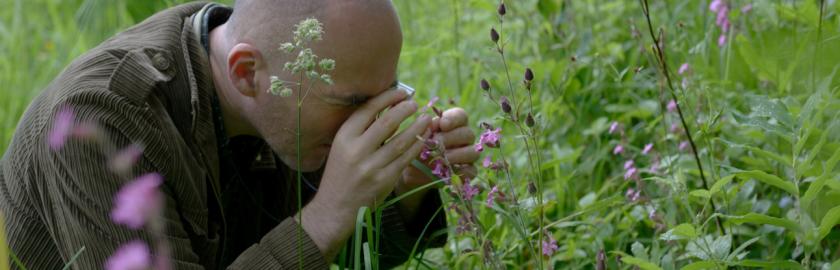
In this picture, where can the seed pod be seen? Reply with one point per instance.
(502, 10)
(485, 85)
(532, 188)
(494, 36)
(529, 120)
(529, 75)
(505, 104)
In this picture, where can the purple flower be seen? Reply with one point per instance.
(618, 149)
(61, 129)
(683, 68)
(494, 36)
(125, 158)
(549, 246)
(138, 201)
(672, 105)
(470, 191)
(632, 195)
(628, 164)
(487, 162)
(647, 149)
(440, 169)
(683, 145)
(425, 154)
(675, 127)
(613, 127)
(630, 173)
(133, 255)
(489, 138)
(485, 85)
(715, 5)
(491, 196)
(722, 40)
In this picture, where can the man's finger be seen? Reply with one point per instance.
(405, 158)
(402, 142)
(463, 155)
(466, 171)
(384, 127)
(358, 122)
(453, 118)
(458, 137)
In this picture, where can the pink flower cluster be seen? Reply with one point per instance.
(489, 138)
(722, 19)
(549, 245)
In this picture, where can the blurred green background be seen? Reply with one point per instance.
(766, 100)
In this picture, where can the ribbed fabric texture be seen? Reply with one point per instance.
(151, 85)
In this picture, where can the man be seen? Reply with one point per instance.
(190, 85)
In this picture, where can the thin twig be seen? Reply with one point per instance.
(663, 66)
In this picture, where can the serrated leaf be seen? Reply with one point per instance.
(770, 180)
(700, 265)
(831, 218)
(769, 264)
(754, 218)
(682, 231)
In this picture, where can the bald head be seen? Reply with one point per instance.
(268, 23)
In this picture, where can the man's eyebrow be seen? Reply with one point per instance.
(359, 99)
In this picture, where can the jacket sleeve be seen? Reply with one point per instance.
(78, 190)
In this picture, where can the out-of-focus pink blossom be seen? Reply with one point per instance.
(683, 145)
(628, 164)
(722, 40)
(672, 105)
(133, 255)
(613, 127)
(491, 196)
(425, 154)
(470, 191)
(683, 68)
(618, 149)
(61, 128)
(549, 246)
(440, 169)
(647, 149)
(138, 201)
(630, 173)
(487, 162)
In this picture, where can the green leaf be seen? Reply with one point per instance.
(764, 219)
(831, 218)
(741, 248)
(769, 264)
(717, 186)
(700, 265)
(770, 180)
(701, 193)
(814, 189)
(721, 246)
(638, 250)
(761, 152)
(642, 264)
(682, 231)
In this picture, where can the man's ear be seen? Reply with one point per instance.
(243, 61)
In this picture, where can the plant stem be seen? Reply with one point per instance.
(663, 66)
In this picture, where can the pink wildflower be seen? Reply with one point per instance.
(425, 154)
(618, 149)
(470, 191)
(628, 164)
(722, 40)
(672, 105)
(613, 127)
(487, 162)
(489, 138)
(549, 246)
(683, 145)
(647, 149)
(630, 173)
(440, 169)
(430, 104)
(61, 129)
(683, 68)
(491, 196)
(138, 201)
(133, 255)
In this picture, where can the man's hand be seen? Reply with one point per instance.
(361, 170)
(453, 131)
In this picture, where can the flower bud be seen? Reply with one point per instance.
(502, 10)
(494, 36)
(529, 75)
(529, 120)
(505, 104)
(532, 188)
(485, 85)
